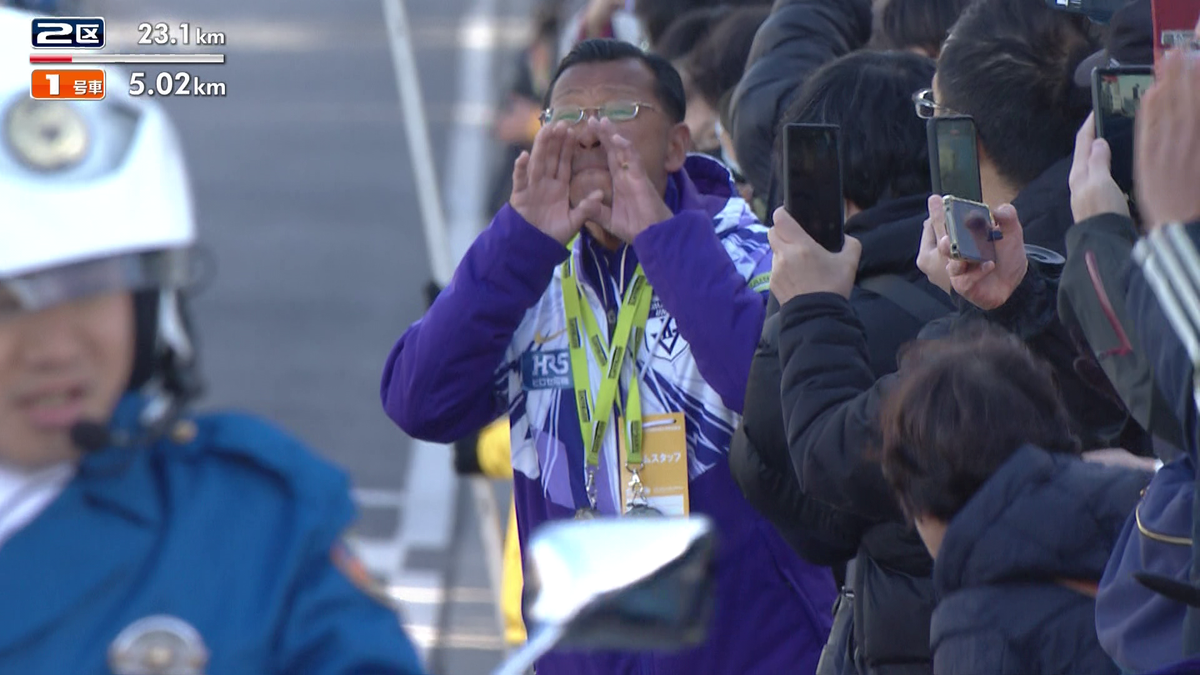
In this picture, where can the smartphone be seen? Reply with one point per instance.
(971, 231)
(813, 182)
(1116, 96)
(1174, 25)
(954, 157)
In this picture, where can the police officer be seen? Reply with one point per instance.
(134, 537)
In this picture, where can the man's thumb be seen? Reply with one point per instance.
(1006, 218)
(1101, 157)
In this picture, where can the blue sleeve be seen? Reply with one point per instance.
(439, 379)
(716, 311)
(1169, 361)
(334, 625)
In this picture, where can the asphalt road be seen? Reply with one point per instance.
(306, 194)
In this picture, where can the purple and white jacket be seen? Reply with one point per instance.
(494, 340)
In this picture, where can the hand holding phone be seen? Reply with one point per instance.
(1093, 190)
(813, 182)
(988, 284)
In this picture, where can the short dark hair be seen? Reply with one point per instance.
(924, 24)
(885, 154)
(688, 31)
(1011, 64)
(719, 61)
(668, 85)
(960, 408)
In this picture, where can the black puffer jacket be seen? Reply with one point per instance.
(759, 457)
(762, 465)
(1003, 609)
(831, 399)
(797, 38)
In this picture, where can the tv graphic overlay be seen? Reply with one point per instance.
(67, 85)
(80, 41)
(68, 33)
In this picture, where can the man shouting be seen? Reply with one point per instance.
(612, 308)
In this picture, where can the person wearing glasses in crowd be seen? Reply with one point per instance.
(620, 294)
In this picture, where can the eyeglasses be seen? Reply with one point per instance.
(926, 107)
(617, 111)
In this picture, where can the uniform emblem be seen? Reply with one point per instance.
(158, 645)
(546, 369)
(351, 566)
(666, 342)
(47, 135)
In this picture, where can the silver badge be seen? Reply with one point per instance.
(643, 511)
(158, 645)
(47, 135)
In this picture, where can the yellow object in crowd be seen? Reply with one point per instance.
(495, 459)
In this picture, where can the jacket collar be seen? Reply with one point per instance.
(1044, 206)
(117, 478)
(890, 233)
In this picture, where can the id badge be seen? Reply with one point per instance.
(664, 471)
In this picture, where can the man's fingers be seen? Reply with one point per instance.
(1006, 219)
(553, 150)
(937, 216)
(1083, 148)
(785, 226)
(957, 268)
(537, 158)
(943, 246)
(566, 154)
(621, 158)
(588, 209)
(521, 172)
(928, 239)
(1100, 158)
(852, 248)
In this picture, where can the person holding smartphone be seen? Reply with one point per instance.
(849, 104)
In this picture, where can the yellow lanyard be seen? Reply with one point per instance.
(631, 323)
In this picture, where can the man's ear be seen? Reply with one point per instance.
(679, 142)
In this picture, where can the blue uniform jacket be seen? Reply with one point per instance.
(231, 532)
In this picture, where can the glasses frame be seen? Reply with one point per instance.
(923, 103)
(584, 110)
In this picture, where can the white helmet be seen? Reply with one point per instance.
(94, 197)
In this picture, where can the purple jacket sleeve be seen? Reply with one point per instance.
(713, 307)
(438, 380)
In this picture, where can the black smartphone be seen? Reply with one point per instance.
(954, 157)
(813, 160)
(1116, 96)
(970, 229)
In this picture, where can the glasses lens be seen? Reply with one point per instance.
(571, 115)
(621, 111)
(923, 101)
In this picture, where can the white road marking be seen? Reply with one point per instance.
(428, 515)
(428, 638)
(425, 595)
